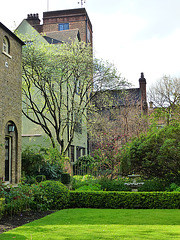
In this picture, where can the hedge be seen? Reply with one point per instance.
(127, 200)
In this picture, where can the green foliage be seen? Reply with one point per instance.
(113, 185)
(131, 200)
(56, 193)
(80, 181)
(173, 188)
(88, 181)
(32, 161)
(43, 196)
(2, 206)
(90, 187)
(40, 178)
(65, 178)
(17, 198)
(153, 185)
(40, 161)
(155, 154)
(86, 161)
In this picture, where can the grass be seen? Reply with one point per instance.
(78, 224)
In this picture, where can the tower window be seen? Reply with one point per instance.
(6, 45)
(63, 26)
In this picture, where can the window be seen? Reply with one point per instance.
(78, 124)
(63, 26)
(78, 152)
(72, 153)
(6, 45)
(83, 151)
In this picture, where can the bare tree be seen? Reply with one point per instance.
(165, 96)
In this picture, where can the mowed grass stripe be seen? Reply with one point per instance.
(101, 224)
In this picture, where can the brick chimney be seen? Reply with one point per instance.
(142, 86)
(34, 20)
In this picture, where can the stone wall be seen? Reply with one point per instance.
(10, 103)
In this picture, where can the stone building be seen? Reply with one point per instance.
(10, 106)
(120, 113)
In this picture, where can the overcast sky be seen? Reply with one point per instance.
(136, 35)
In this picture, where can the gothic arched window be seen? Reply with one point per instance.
(6, 45)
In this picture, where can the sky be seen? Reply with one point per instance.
(136, 35)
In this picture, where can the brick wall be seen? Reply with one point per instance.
(10, 103)
(77, 19)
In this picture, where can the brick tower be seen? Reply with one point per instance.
(64, 21)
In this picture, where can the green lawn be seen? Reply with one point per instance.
(77, 224)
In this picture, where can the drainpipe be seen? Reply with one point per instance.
(86, 27)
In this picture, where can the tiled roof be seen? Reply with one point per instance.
(118, 98)
(52, 40)
(64, 36)
(133, 95)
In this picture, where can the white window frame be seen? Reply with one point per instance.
(6, 46)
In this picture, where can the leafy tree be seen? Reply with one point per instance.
(57, 87)
(165, 96)
(155, 154)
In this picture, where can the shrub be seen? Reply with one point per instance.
(113, 185)
(65, 178)
(32, 160)
(42, 161)
(173, 187)
(40, 178)
(177, 189)
(155, 153)
(2, 206)
(95, 187)
(131, 200)
(153, 185)
(56, 193)
(80, 181)
(16, 198)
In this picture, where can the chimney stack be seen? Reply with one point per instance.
(34, 20)
(142, 86)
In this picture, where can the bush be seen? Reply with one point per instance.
(42, 161)
(17, 199)
(2, 206)
(43, 196)
(113, 185)
(56, 193)
(155, 153)
(153, 186)
(80, 181)
(95, 187)
(40, 178)
(173, 188)
(65, 178)
(127, 200)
